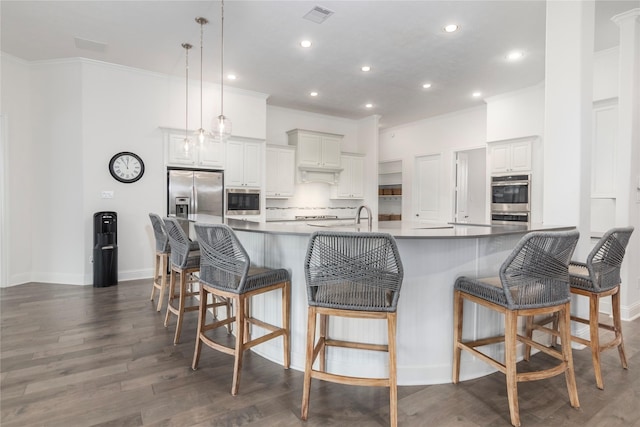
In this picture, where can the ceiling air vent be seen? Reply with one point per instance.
(318, 14)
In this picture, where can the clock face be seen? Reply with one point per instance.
(126, 167)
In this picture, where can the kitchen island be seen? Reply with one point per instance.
(433, 256)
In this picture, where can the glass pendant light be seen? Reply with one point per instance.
(221, 128)
(187, 140)
(201, 134)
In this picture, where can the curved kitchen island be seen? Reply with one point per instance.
(432, 256)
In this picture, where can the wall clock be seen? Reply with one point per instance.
(126, 167)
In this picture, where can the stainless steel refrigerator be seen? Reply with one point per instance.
(195, 195)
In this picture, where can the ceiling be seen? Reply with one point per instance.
(403, 42)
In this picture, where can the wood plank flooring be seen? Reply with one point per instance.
(84, 356)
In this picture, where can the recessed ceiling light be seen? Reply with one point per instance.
(426, 85)
(451, 28)
(476, 94)
(515, 55)
(366, 68)
(231, 76)
(368, 105)
(305, 43)
(313, 93)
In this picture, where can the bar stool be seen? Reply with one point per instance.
(599, 277)
(352, 275)
(226, 272)
(185, 261)
(161, 259)
(534, 279)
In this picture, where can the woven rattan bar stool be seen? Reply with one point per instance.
(161, 260)
(352, 275)
(597, 278)
(534, 279)
(185, 261)
(226, 272)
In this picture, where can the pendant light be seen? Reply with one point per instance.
(187, 140)
(201, 134)
(221, 124)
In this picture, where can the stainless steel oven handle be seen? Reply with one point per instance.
(505, 184)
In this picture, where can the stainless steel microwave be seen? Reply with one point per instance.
(243, 201)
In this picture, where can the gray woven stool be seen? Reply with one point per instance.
(597, 278)
(353, 275)
(533, 280)
(226, 272)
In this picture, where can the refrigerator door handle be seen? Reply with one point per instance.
(194, 191)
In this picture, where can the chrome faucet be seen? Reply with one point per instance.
(369, 218)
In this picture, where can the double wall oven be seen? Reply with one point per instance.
(511, 199)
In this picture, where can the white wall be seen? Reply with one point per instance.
(66, 120)
(463, 130)
(17, 169)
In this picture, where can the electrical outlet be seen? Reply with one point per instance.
(107, 194)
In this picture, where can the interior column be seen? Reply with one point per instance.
(568, 109)
(628, 158)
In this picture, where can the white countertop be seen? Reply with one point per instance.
(398, 229)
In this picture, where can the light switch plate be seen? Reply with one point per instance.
(106, 194)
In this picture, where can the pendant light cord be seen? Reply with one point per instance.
(202, 22)
(186, 47)
(222, 59)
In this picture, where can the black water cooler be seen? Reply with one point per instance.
(105, 249)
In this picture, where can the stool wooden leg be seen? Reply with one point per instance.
(564, 323)
(286, 338)
(393, 383)
(528, 334)
(617, 323)
(183, 291)
(308, 362)
(155, 276)
(202, 316)
(324, 326)
(163, 281)
(457, 334)
(239, 351)
(172, 286)
(594, 338)
(510, 331)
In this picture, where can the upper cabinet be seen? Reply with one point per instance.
(351, 182)
(280, 174)
(244, 164)
(512, 156)
(317, 155)
(209, 154)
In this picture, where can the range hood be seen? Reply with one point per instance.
(316, 174)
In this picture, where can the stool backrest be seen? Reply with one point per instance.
(353, 271)
(536, 273)
(605, 259)
(179, 242)
(160, 233)
(224, 263)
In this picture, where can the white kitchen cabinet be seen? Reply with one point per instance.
(244, 164)
(351, 182)
(513, 156)
(280, 174)
(316, 150)
(208, 155)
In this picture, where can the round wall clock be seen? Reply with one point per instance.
(126, 167)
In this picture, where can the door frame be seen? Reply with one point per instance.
(454, 176)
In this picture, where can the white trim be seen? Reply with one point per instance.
(4, 213)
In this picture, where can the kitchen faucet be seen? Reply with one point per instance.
(369, 218)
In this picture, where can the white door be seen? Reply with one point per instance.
(427, 183)
(462, 189)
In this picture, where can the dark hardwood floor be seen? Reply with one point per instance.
(84, 356)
